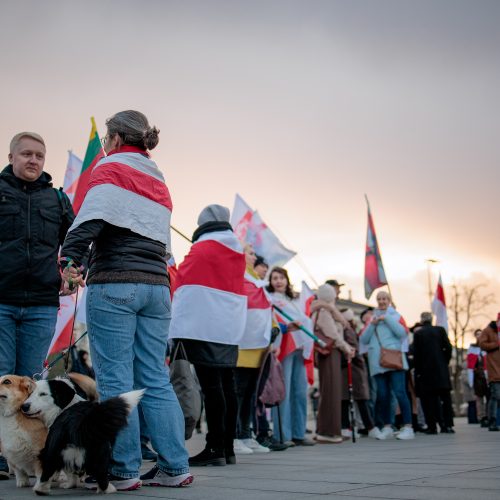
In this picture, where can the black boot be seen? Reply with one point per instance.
(493, 425)
(208, 456)
(485, 422)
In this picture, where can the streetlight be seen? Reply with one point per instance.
(429, 284)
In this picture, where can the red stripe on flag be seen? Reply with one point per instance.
(132, 180)
(256, 297)
(62, 341)
(440, 294)
(83, 183)
(200, 267)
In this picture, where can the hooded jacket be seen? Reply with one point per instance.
(489, 341)
(34, 219)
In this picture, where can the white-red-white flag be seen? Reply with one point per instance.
(305, 299)
(250, 228)
(439, 306)
(72, 175)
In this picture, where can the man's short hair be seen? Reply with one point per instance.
(426, 317)
(17, 139)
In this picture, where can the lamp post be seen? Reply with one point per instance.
(429, 283)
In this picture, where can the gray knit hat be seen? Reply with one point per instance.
(213, 213)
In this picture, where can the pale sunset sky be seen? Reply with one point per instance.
(299, 106)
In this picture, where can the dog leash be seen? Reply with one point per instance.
(66, 353)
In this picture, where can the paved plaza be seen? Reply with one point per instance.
(463, 466)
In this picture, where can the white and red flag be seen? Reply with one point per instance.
(127, 189)
(250, 228)
(439, 306)
(259, 315)
(306, 298)
(72, 175)
(209, 301)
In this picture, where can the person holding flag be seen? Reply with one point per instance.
(295, 348)
(387, 334)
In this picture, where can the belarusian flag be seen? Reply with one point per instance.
(374, 269)
(93, 154)
(439, 306)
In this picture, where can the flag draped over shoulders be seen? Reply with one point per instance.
(209, 302)
(128, 190)
(259, 316)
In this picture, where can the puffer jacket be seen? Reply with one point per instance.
(34, 219)
(391, 334)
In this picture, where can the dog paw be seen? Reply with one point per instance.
(22, 483)
(67, 485)
(108, 490)
(42, 489)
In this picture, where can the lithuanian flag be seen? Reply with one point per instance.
(92, 156)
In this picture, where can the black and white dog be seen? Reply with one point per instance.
(81, 434)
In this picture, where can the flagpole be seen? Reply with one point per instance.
(180, 234)
(379, 254)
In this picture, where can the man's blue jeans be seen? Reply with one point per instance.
(395, 380)
(25, 335)
(293, 409)
(128, 329)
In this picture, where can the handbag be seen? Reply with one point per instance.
(390, 358)
(327, 349)
(186, 388)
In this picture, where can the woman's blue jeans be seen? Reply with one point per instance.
(293, 410)
(128, 329)
(394, 380)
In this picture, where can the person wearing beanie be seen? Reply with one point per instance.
(329, 421)
(209, 312)
(489, 341)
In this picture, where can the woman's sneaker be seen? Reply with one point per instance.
(255, 446)
(120, 483)
(376, 434)
(406, 433)
(157, 477)
(328, 439)
(387, 432)
(240, 448)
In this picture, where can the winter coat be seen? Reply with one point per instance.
(431, 356)
(34, 219)
(392, 335)
(489, 341)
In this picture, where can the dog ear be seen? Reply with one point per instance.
(28, 384)
(61, 392)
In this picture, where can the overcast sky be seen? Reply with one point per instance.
(299, 106)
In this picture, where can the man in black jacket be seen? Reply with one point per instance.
(432, 354)
(34, 219)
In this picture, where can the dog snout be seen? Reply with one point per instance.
(25, 408)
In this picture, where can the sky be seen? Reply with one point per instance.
(301, 107)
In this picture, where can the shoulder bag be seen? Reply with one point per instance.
(390, 358)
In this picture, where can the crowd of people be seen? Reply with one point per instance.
(228, 309)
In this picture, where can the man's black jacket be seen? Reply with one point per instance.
(34, 219)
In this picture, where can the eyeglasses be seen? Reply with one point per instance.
(103, 140)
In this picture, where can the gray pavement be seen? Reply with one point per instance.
(463, 466)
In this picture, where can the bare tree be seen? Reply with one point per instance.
(467, 309)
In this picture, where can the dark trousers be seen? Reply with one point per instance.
(217, 385)
(364, 411)
(437, 408)
(246, 382)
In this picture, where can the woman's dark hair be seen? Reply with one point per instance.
(133, 128)
(284, 273)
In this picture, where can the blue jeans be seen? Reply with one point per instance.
(25, 335)
(293, 409)
(395, 380)
(128, 329)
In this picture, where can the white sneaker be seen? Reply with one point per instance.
(376, 434)
(347, 433)
(255, 446)
(387, 432)
(406, 433)
(240, 448)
